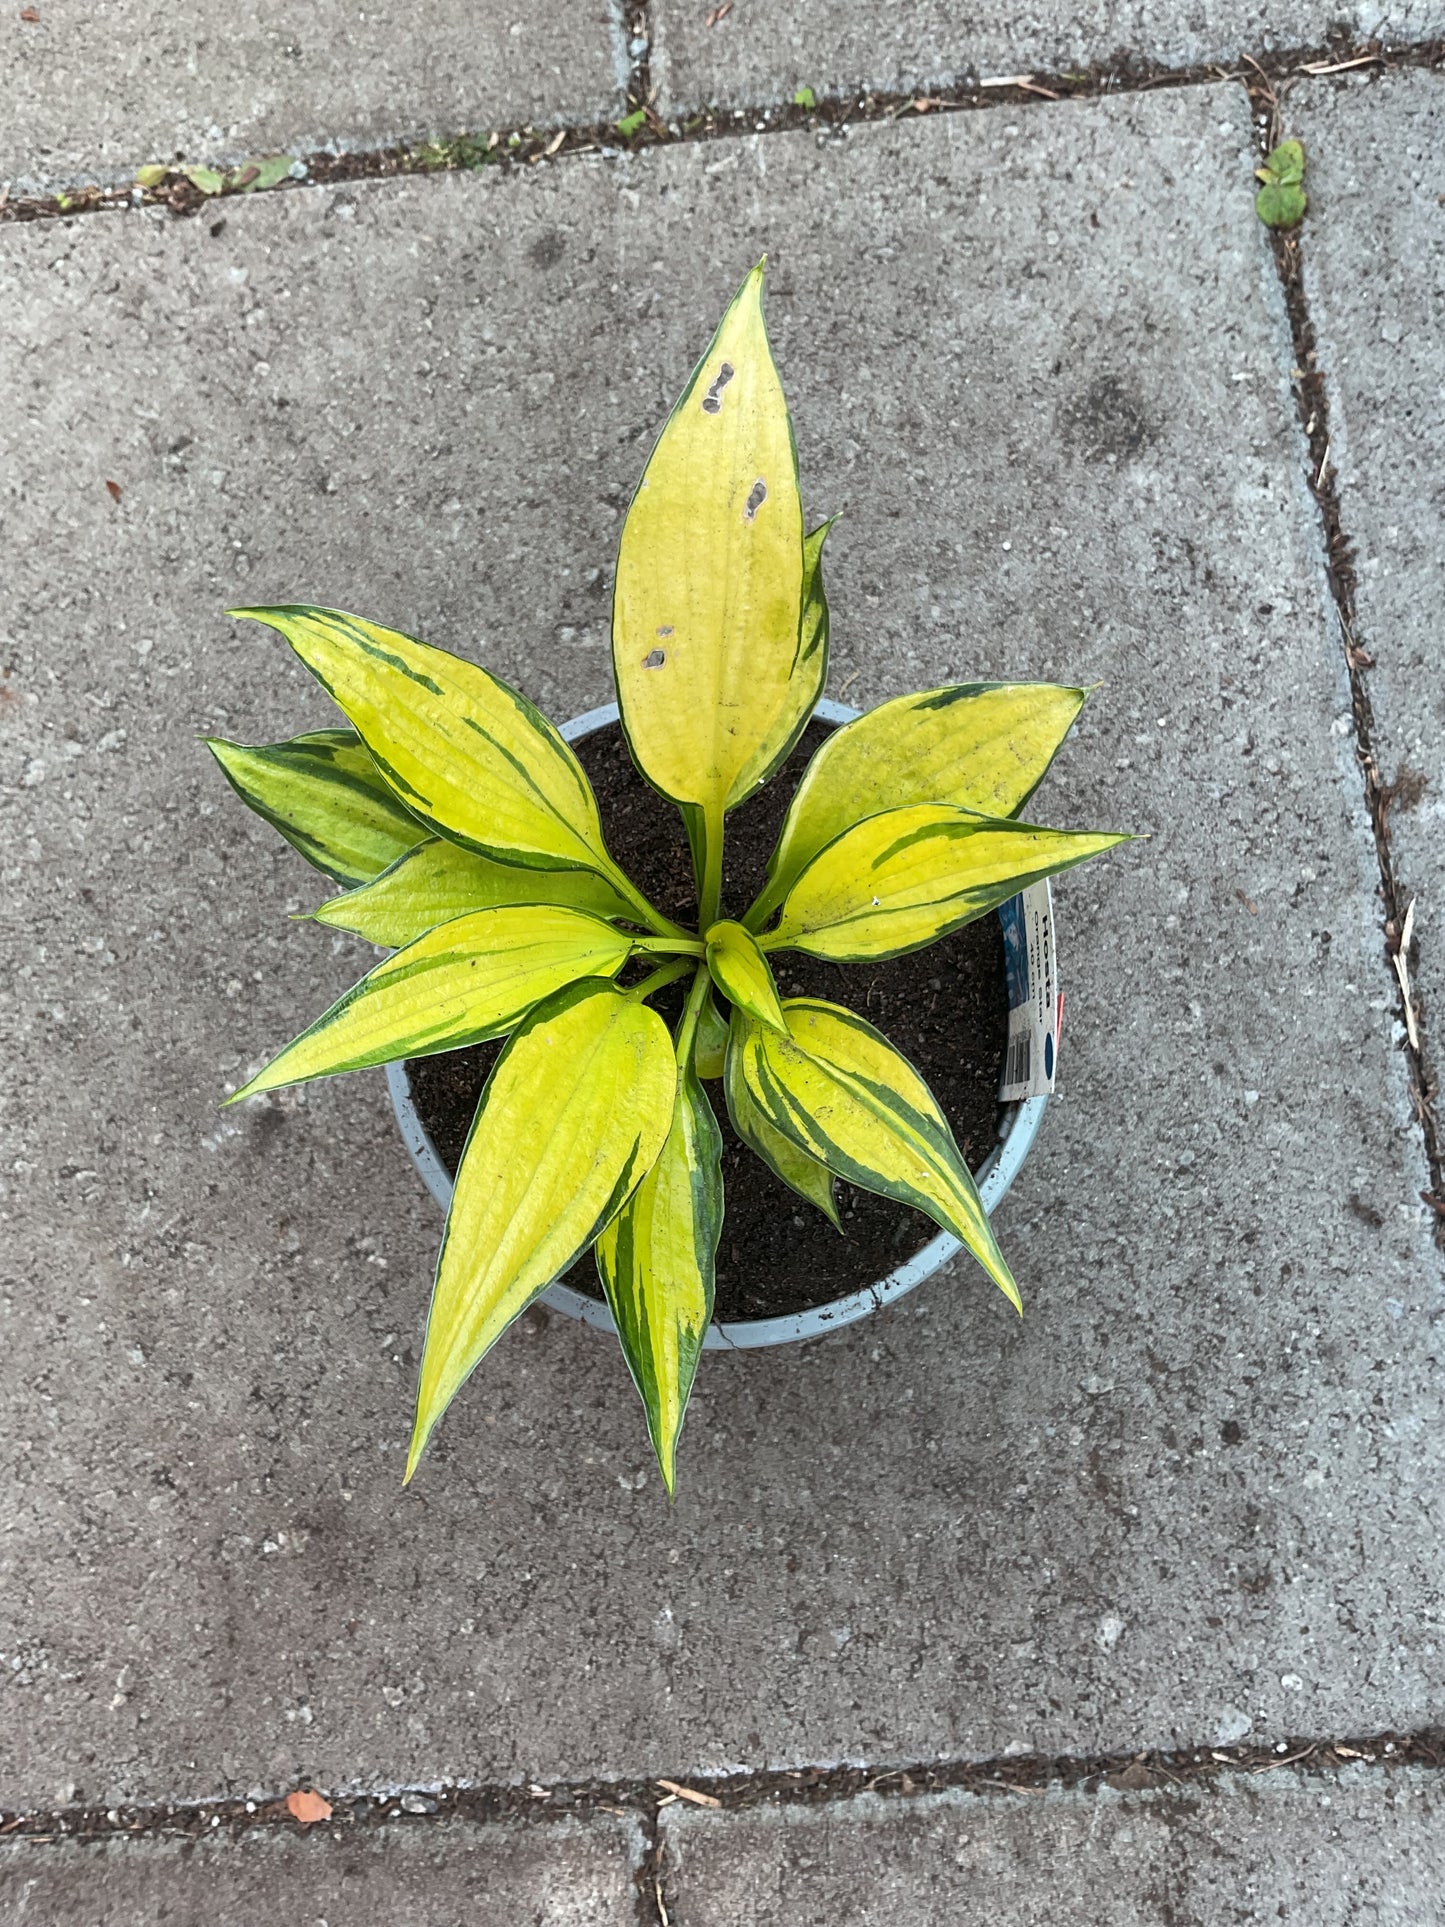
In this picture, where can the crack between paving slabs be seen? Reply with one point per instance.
(524, 146)
(1313, 404)
(1015, 1775)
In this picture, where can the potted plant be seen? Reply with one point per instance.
(469, 840)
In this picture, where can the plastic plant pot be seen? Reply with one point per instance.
(1017, 1131)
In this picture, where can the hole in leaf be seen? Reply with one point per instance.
(654, 659)
(712, 400)
(757, 495)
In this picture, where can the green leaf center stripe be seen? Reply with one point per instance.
(524, 775)
(393, 661)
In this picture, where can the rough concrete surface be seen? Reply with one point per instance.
(760, 51)
(1195, 1492)
(92, 92)
(1329, 1850)
(561, 1874)
(1374, 262)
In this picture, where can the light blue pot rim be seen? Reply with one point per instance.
(1016, 1135)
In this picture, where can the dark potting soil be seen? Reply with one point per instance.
(944, 1008)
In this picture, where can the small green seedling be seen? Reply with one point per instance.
(632, 123)
(805, 98)
(467, 838)
(1281, 202)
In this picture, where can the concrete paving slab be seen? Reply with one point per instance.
(1374, 263)
(760, 51)
(1327, 1849)
(1196, 1491)
(554, 1874)
(92, 93)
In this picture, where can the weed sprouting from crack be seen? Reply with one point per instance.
(173, 184)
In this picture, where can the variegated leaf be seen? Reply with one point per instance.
(656, 1262)
(706, 611)
(325, 795)
(439, 880)
(573, 1117)
(978, 746)
(901, 880)
(741, 973)
(797, 1168)
(465, 752)
(840, 1092)
(471, 979)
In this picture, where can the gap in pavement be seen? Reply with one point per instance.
(1313, 403)
(1013, 1774)
(524, 146)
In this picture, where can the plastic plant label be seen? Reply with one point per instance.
(1035, 1001)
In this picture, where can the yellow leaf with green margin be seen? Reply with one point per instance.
(840, 1092)
(978, 746)
(741, 972)
(465, 752)
(656, 1261)
(439, 880)
(573, 1118)
(809, 674)
(471, 979)
(325, 795)
(707, 604)
(898, 881)
(800, 1171)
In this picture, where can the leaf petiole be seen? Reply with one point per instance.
(692, 1010)
(678, 946)
(659, 979)
(654, 919)
(710, 900)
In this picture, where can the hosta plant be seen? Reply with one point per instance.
(469, 843)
